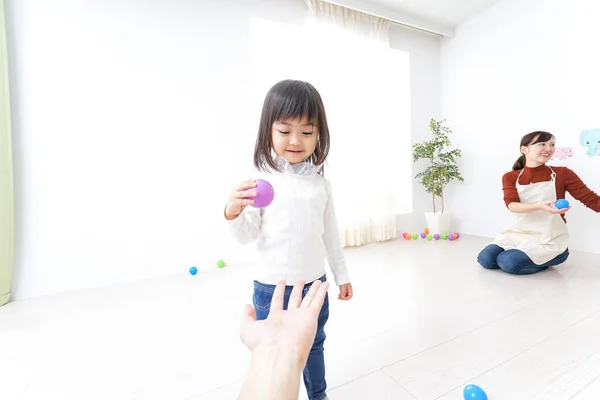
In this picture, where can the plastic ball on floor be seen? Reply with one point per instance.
(423, 235)
(404, 235)
(436, 236)
(561, 203)
(474, 392)
(456, 235)
(426, 231)
(193, 270)
(408, 237)
(429, 237)
(415, 236)
(451, 237)
(444, 236)
(264, 194)
(220, 263)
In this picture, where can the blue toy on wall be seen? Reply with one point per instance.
(591, 139)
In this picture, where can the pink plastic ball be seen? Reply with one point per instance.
(264, 195)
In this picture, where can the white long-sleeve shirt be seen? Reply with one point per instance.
(297, 231)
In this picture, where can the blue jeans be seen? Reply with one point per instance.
(514, 261)
(314, 371)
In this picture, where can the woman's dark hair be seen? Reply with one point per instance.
(531, 138)
(289, 100)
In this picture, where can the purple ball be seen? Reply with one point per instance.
(436, 236)
(450, 237)
(264, 195)
(423, 235)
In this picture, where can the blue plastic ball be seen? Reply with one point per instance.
(474, 392)
(562, 203)
(193, 270)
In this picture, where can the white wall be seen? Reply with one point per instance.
(518, 67)
(424, 50)
(124, 115)
(131, 122)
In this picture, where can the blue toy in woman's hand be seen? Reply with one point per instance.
(562, 203)
(474, 392)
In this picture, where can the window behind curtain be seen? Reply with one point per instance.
(366, 90)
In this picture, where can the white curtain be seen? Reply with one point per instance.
(347, 23)
(365, 86)
(364, 83)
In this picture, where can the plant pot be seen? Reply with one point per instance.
(439, 223)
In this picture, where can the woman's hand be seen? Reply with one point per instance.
(549, 207)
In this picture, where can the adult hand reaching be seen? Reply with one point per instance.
(280, 344)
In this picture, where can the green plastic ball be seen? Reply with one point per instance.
(429, 237)
(220, 263)
(444, 236)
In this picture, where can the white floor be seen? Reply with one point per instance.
(425, 322)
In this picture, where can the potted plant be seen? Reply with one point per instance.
(441, 169)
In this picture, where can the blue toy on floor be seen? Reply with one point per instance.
(474, 392)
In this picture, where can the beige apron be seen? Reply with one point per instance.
(539, 234)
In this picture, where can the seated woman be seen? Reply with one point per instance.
(539, 237)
